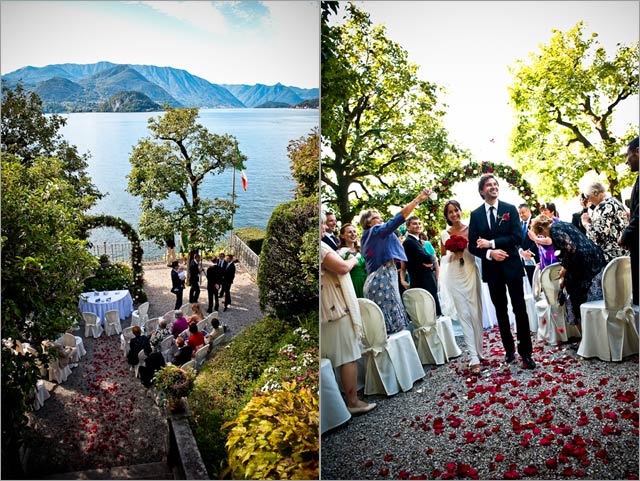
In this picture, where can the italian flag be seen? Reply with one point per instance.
(244, 179)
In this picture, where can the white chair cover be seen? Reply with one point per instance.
(530, 300)
(168, 347)
(41, 395)
(141, 358)
(92, 325)
(112, 323)
(614, 315)
(201, 355)
(189, 365)
(391, 363)
(445, 330)
(77, 348)
(186, 309)
(217, 340)
(552, 326)
(125, 338)
(151, 325)
(333, 410)
(140, 315)
(169, 317)
(420, 307)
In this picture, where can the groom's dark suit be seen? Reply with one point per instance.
(508, 273)
(420, 275)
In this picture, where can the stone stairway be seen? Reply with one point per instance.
(139, 471)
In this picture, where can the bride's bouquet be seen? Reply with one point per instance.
(456, 244)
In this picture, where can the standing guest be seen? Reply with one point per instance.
(576, 217)
(429, 249)
(227, 279)
(163, 331)
(214, 282)
(351, 248)
(221, 262)
(196, 338)
(582, 264)
(607, 223)
(196, 313)
(546, 255)
(184, 244)
(460, 282)
(329, 237)
(629, 237)
(194, 278)
(171, 250)
(177, 283)
(180, 323)
(549, 209)
(152, 364)
(137, 344)
(184, 353)
(494, 236)
(381, 249)
(420, 265)
(340, 323)
(528, 248)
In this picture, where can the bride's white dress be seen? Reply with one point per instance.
(461, 297)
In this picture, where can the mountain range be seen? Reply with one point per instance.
(103, 86)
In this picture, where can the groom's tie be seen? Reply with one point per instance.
(492, 217)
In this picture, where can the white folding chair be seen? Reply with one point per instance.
(168, 347)
(151, 325)
(186, 309)
(112, 323)
(140, 315)
(552, 327)
(391, 363)
(125, 338)
(425, 335)
(608, 325)
(141, 357)
(77, 348)
(92, 325)
(217, 340)
(201, 355)
(169, 317)
(333, 410)
(189, 365)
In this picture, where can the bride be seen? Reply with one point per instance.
(460, 284)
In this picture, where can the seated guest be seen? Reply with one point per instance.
(196, 339)
(179, 325)
(196, 313)
(160, 334)
(217, 331)
(184, 352)
(137, 344)
(153, 363)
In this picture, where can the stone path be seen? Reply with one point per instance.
(101, 418)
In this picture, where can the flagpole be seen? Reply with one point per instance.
(233, 199)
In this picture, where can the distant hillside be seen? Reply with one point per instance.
(102, 80)
(273, 105)
(308, 104)
(129, 102)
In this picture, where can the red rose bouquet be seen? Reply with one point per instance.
(456, 243)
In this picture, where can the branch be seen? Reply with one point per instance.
(623, 95)
(579, 137)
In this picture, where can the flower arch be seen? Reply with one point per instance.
(443, 185)
(130, 233)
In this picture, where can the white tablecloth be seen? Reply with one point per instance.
(99, 305)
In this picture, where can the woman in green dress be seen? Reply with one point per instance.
(350, 247)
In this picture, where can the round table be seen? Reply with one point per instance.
(101, 302)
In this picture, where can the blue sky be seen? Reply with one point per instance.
(224, 42)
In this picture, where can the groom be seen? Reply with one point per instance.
(494, 236)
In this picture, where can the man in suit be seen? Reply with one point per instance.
(576, 217)
(214, 282)
(494, 236)
(629, 237)
(177, 284)
(329, 237)
(194, 278)
(221, 262)
(227, 279)
(528, 249)
(420, 265)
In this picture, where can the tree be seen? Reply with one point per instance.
(380, 122)
(565, 97)
(28, 134)
(43, 265)
(304, 154)
(168, 170)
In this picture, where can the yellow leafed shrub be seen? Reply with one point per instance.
(276, 436)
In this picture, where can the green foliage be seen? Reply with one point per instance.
(288, 284)
(252, 236)
(129, 102)
(381, 123)
(565, 97)
(174, 382)
(226, 383)
(110, 278)
(136, 282)
(276, 436)
(172, 164)
(304, 154)
(43, 264)
(28, 134)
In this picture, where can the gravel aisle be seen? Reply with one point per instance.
(566, 419)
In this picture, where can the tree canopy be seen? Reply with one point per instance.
(565, 96)
(380, 122)
(304, 154)
(168, 169)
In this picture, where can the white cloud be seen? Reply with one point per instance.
(202, 15)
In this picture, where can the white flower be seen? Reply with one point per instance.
(287, 349)
(307, 359)
(271, 370)
(271, 385)
(296, 369)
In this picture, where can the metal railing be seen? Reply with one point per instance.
(249, 259)
(121, 251)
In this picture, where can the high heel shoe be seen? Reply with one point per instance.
(363, 409)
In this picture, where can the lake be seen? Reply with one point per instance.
(263, 136)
